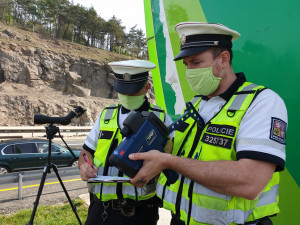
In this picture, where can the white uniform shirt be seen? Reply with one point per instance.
(255, 138)
(92, 139)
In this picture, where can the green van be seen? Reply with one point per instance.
(23, 154)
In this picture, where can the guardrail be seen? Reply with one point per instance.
(39, 131)
(19, 177)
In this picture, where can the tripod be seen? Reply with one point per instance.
(51, 131)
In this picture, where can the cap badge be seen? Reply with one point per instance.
(182, 39)
(126, 77)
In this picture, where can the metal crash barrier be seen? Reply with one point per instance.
(19, 177)
(39, 131)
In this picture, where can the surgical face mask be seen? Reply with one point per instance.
(131, 102)
(202, 81)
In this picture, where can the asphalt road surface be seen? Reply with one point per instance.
(52, 192)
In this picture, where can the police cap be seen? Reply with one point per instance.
(131, 75)
(197, 37)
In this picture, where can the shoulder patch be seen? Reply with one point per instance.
(278, 130)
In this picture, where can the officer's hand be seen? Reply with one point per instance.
(87, 172)
(153, 164)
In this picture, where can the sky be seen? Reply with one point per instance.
(131, 12)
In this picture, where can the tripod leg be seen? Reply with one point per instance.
(65, 190)
(46, 168)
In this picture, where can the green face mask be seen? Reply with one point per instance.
(202, 81)
(131, 102)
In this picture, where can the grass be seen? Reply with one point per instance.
(49, 215)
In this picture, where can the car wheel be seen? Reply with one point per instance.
(3, 170)
(75, 163)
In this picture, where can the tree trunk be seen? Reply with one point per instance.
(73, 34)
(3, 11)
(93, 41)
(78, 36)
(58, 29)
(65, 32)
(111, 43)
(33, 24)
(87, 43)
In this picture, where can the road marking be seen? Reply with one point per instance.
(35, 185)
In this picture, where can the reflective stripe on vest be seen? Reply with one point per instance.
(209, 207)
(109, 124)
(268, 197)
(156, 110)
(128, 190)
(206, 215)
(239, 99)
(109, 112)
(195, 99)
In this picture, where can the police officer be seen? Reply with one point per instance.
(229, 167)
(120, 203)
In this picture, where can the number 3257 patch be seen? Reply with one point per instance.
(278, 130)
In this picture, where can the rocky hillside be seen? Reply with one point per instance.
(39, 74)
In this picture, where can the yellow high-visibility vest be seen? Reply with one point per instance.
(109, 138)
(196, 204)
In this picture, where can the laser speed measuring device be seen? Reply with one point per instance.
(143, 132)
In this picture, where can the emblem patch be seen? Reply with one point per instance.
(182, 39)
(126, 77)
(104, 134)
(278, 130)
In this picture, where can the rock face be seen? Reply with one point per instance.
(35, 78)
(20, 103)
(78, 76)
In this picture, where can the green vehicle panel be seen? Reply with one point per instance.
(267, 52)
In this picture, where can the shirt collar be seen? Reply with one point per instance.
(239, 81)
(144, 107)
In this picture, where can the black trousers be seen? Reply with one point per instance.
(143, 215)
(176, 221)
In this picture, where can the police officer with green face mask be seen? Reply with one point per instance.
(229, 168)
(120, 203)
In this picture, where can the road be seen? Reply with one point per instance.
(52, 192)
(73, 143)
